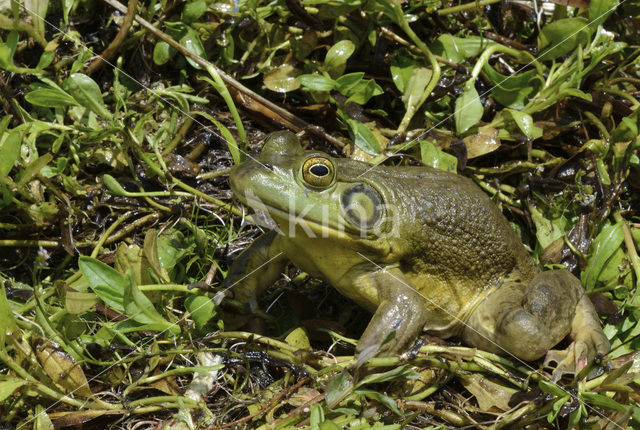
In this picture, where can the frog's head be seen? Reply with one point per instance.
(310, 192)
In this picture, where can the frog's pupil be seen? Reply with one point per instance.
(319, 170)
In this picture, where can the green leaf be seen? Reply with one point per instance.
(459, 49)
(113, 185)
(547, 230)
(433, 157)
(45, 59)
(50, 97)
(192, 42)
(193, 10)
(398, 373)
(9, 151)
(172, 247)
(237, 155)
(33, 169)
(282, 79)
(298, 338)
(9, 384)
(414, 90)
(603, 401)
(7, 321)
(381, 398)
(87, 93)
(468, 109)
(105, 281)
(337, 56)
(201, 308)
(344, 84)
(402, 66)
(604, 246)
(363, 91)
(317, 82)
(338, 388)
(163, 52)
(551, 388)
(513, 91)
(525, 123)
(363, 137)
(140, 309)
(599, 10)
(563, 36)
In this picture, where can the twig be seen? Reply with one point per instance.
(298, 122)
(111, 50)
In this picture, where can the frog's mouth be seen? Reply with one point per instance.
(296, 222)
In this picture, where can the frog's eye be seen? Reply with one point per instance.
(318, 172)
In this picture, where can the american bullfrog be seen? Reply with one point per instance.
(422, 249)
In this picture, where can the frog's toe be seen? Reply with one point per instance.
(569, 361)
(578, 355)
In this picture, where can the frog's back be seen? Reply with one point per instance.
(451, 228)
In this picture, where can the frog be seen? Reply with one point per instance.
(423, 249)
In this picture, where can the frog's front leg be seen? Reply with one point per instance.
(255, 269)
(399, 318)
(528, 320)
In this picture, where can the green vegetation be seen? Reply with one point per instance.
(117, 225)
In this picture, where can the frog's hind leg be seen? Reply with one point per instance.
(528, 320)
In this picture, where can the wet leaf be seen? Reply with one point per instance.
(62, 369)
(336, 60)
(483, 142)
(400, 372)
(105, 281)
(402, 66)
(7, 321)
(192, 42)
(458, 49)
(151, 262)
(140, 309)
(599, 10)
(338, 388)
(9, 384)
(33, 169)
(603, 401)
(193, 10)
(346, 83)
(433, 157)
(317, 82)
(604, 246)
(173, 245)
(414, 91)
(363, 91)
(562, 37)
(298, 338)
(513, 91)
(282, 79)
(86, 92)
(163, 52)
(50, 97)
(201, 308)
(488, 393)
(468, 109)
(363, 137)
(381, 398)
(547, 230)
(525, 124)
(76, 302)
(9, 150)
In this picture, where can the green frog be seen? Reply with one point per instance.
(424, 250)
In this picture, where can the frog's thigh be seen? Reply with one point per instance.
(255, 269)
(525, 320)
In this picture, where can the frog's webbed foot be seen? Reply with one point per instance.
(398, 320)
(587, 341)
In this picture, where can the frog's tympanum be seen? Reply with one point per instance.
(422, 249)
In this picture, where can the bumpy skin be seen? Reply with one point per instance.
(439, 258)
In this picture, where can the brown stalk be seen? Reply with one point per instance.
(298, 122)
(113, 47)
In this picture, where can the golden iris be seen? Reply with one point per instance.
(318, 172)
